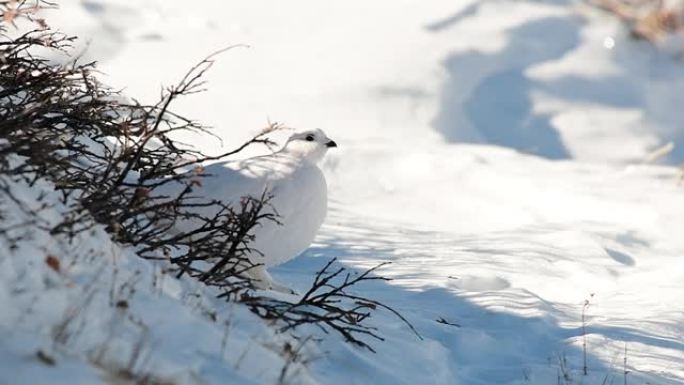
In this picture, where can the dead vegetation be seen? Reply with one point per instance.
(108, 155)
(651, 20)
(329, 305)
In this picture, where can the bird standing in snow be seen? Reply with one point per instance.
(300, 198)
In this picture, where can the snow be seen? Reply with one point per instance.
(72, 314)
(493, 151)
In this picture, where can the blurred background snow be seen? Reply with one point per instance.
(560, 79)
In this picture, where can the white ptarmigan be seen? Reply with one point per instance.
(300, 198)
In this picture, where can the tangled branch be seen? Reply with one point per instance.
(114, 163)
(328, 304)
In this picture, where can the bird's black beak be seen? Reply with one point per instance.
(331, 144)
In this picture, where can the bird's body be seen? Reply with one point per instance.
(299, 192)
(300, 199)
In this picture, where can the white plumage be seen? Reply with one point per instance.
(299, 192)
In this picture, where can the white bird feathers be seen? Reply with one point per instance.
(300, 198)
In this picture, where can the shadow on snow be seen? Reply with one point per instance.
(486, 347)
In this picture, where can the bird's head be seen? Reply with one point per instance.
(311, 145)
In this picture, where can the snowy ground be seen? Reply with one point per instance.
(492, 151)
(89, 312)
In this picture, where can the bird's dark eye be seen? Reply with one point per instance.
(309, 138)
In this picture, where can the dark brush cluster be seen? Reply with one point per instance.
(111, 158)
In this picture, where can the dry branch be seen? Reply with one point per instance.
(328, 304)
(109, 158)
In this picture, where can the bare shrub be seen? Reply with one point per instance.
(109, 157)
(329, 305)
